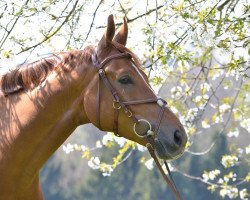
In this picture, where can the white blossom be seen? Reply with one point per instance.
(68, 148)
(108, 170)
(205, 96)
(94, 163)
(244, 194)
(229, 160)
(149, 163)
(205, 124)
(231, 192)
(211, 175)
(83, 148)
(120, 141)
(218, 74)
(233, 133)
(245, 124)
(205, 86)
(107, 138)
(176, 92)
(224, 107)
(223, 192)
(248, 149)
(220, 181)
(218, 119)
(197, 98)
(98, 144)
(141, 148)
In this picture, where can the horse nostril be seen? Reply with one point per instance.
(177, 137)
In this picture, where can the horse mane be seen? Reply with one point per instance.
(30, 75)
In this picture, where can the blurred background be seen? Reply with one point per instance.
(69, 176)
(196, 55)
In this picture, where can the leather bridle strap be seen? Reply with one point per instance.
(160, 116)
(115, 56)
(98, 104)
(118, 104)
(136, 102)
(170, 181)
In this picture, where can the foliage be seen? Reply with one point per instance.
(133, 180)
(196, 54)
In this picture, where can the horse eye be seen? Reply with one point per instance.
(125, 80)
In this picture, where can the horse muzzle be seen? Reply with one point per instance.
(171, 146)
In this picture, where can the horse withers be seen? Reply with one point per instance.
(43, 102)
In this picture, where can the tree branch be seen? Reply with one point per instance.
(13, 25)
(202, 152)
(139, 16)
(220, 8)
(52, 34)
(93, 19)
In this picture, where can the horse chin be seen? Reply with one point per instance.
(161, 151)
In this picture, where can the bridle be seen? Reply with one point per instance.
(118, 104)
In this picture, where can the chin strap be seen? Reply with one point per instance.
(169, 180)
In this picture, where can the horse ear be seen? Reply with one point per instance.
(122, 35)
(108, 35)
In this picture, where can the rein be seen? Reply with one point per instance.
(118, 105)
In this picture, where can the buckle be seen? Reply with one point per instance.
(101, 72)
(129, 113)
(116, 105)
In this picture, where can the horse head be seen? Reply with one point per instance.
(119, 98)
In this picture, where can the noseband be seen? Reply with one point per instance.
(118, 104)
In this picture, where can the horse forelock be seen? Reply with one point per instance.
(122, 48)
(30, 75)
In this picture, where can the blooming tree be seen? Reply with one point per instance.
(196, 54)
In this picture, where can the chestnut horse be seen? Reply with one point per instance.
(43, 102)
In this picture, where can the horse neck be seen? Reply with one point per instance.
(35, 123)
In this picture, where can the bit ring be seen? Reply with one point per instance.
(142, 120)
